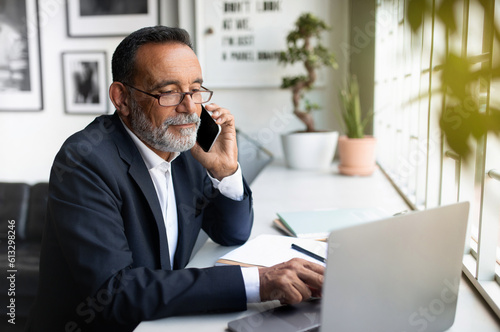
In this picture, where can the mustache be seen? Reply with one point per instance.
(181, 119)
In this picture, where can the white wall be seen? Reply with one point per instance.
(30, 140)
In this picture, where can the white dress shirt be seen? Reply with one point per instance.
(161, 175)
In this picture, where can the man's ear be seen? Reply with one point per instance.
(118, 94)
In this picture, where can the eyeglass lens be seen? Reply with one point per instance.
(172, 99)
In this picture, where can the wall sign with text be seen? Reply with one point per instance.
(239, 41)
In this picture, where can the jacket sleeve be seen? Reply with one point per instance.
(226, 221)
(229, 222)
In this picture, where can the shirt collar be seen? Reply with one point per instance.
(151, 159)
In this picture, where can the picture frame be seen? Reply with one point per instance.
(98, 18)
(20, 59)
(84, 80)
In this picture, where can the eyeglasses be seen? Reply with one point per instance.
(175, 98)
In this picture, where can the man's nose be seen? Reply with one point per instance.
(187, 105)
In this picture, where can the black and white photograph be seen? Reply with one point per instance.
(85, 82)
(103, 18)
(111, 7)
(20, 88)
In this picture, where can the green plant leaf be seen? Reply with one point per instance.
(352, 120)
(445, 13)
(304, 45)
(415, 13)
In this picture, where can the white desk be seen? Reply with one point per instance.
(281, 189)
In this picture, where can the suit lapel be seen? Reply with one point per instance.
(138, 171)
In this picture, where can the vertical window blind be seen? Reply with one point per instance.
(408, 104)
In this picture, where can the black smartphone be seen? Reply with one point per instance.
(208, 131)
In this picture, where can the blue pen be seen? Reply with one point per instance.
(308, 253)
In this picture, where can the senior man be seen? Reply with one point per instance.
(129, 194)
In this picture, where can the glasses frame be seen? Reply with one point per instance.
(158, 96)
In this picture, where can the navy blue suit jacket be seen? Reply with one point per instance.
(104, 263)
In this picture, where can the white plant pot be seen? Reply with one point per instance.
(310, 151)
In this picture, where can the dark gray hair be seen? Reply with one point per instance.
(123, 62)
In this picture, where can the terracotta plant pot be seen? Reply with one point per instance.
(357, 155)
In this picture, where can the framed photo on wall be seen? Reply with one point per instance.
(20, 70)
(104, 18)
(84, 79)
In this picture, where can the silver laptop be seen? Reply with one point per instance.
(395, 274)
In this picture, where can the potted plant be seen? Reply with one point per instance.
(356, 150)
(308, 149)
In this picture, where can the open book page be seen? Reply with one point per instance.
(268, 250)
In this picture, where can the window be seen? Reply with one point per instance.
(408, 105)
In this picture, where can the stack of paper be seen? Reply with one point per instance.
(268, 250)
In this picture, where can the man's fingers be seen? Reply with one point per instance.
(222, 116)
(313, 278)
(310, 273)
(295, 289)
(291, 282)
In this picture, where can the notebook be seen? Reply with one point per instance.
(317, 224)
(396, 274)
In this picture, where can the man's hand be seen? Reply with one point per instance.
(291, 282)
(222, 160)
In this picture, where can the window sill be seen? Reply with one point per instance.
(488, 289)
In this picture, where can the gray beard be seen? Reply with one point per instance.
(161, 138)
